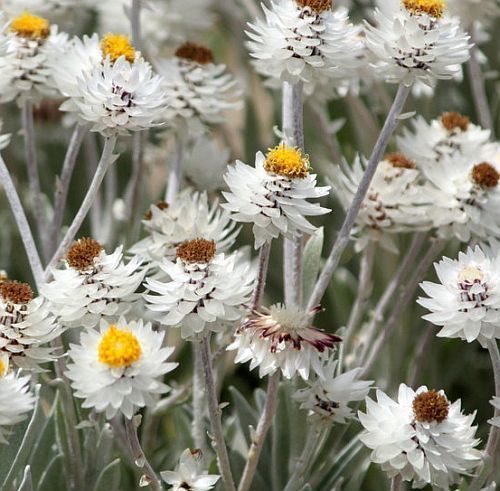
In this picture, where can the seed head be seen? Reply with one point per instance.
(485, 175)
(82, 253)
(430, 406)
(16, 292)
(196, 251)
(317, 6)
(195, 52)
(455, 121)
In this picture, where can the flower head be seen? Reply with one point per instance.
(30, 26)
(119, 368)
(117, 45)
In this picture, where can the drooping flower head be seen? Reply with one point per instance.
(422, 436)
(272, 195)
(119, 368)
(283, 339)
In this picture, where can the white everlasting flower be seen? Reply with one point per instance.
(396, 200)
(417, 41)
(283, 339)
(93, 285)
(25, 326)
(304, 40)
(119, 369)
(27, 44)
(205, 291)
(189, 475)
(188, 217)
(495, 421)
(273, 194)
(422, 436)
(198, 90)
(329, 396)
(466, 302)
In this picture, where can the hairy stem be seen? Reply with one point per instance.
(260, 283)
(494, 436)
(198, 425)
(175, 174)
(396, 483)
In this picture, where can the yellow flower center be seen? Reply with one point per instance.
(434, 8)
(4, 367)
(287, 161)
(30, 26)
(119, 348)
(116, 45)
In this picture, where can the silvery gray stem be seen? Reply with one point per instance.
(396, 483)
(494, 436)
(260, 283)
(199, 404)
(135, 23)
(344, 235)
(175, 174)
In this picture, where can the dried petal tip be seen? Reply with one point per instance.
(16, 292)
(485, 175)
(117, 45)
(434, 8)
(455, 121)
(316, 5)
(30, 26)
(430, 406)
(287, 162)
(196, 251)
(82, 253)
(161, 205)
(400, 160)
(3, 277)
(195, 52)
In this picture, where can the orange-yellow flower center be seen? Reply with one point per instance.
(30, 26)
(117, 45)
(4, 366)
(119, 348)
(430, 406)
(434, 8)
(287, 161)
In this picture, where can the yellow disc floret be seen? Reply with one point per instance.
(119, 348)
(287, 161)
(434, 8)
(4, 366)
(30, 26)
(116, 45)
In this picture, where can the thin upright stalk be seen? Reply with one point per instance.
(396, 483)
(22, 223)
(175, 173)
(263, 426)
(344, 235)
(420, 358)
(198, 424)
(215, 415)
(91, 153)
(107, 158)
(149, 477)
(494, 436)
(132, 194)
(135, 23)
(260, 283)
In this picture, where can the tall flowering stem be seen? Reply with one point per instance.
(494, 436)
(175, 174)
(344, 235)
(260, 283)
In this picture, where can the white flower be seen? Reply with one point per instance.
(93, 285)
(119, 369)
(25, 325)
(330, 394)
(28, 43)
(273, 194)
(417, 41)
(466, 302)
(283, 339)
(189, 475)
(188, 217)
(198, 90)
(16, 400)
(304, 40)
(205, 289)
(495, 421)
(422, 436)
(396, 200)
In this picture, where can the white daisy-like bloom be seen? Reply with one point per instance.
(28, 43)
(206, 289)
(26, 325)
(199, 91)
(422, 436)
(273, 195)
(329, 396)
(304, 40)
(16, 400)
(283, 339)
(189, 216)
(396, 200)
(417, 40)
(495, 421)
(466, 302)
(93, 285)
(119, 368)
(190, 475)
(449, 135)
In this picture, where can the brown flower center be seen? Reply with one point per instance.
(455, 121)
(400, 160)
(434, 8)
(82, 253)
(196, 251)
(195, 52)
(16, 292)
(485, 175)
(430, 406)
(162, 205)
(316, 5)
